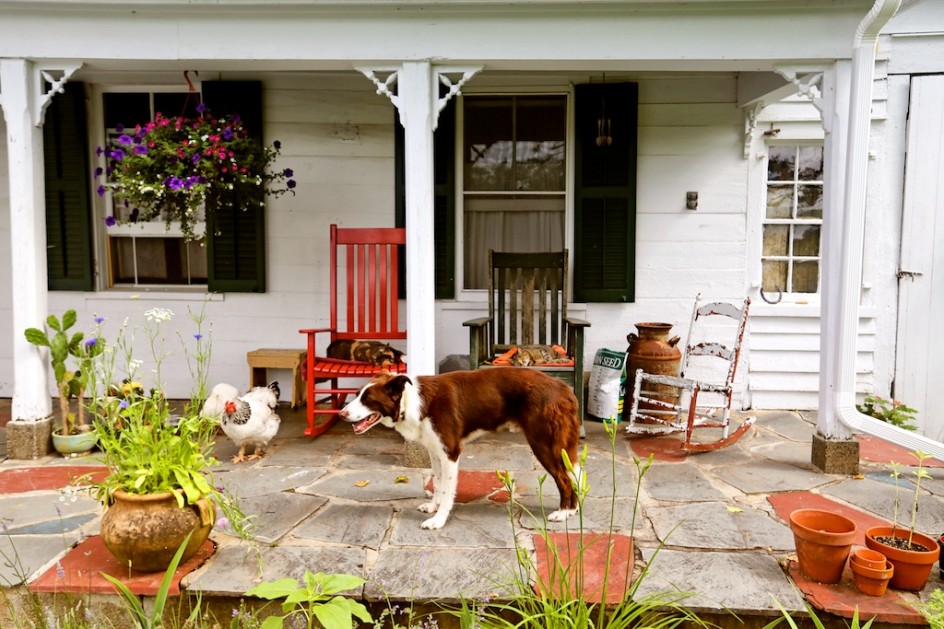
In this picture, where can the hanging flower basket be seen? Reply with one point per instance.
(181, 169)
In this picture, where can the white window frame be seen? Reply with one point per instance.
(479, 295)
(101, 205)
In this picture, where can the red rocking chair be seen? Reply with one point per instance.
(368, 261)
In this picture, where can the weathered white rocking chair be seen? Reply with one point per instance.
(669, 403)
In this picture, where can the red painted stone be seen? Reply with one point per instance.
(842, 599)
(667, 448)
(559, 556)
(784, 504)
(82, 567)
(22, 479)
(475, 484)
(875, 450)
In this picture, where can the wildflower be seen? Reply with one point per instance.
(222, 522)
(124, 404)
(198, 336)
(99, 320)
(92, 342)
(159, 315)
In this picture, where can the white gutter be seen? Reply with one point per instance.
(853, 236)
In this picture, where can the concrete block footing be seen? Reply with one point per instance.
(27, 440)
(835, 456)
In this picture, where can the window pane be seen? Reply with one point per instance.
(811, 163)
(810, 201)
(126, 109)
(776, 240)
(775, 275)
(540, 132)
(806, 240)
(176, 103)
(779, 201)
(159, 261)
(508, 224)
(780, 163)
(805, 277)
(489, 146)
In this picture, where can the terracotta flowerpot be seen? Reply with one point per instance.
(912, 567)
(871, 581)
(145, 531)
(868, 558)
(823, 541)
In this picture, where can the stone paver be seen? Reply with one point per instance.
(679, 482)
(768, 477)
(720, 582)
(353, 525)
(370, 485)
(21, 556)
(477, 525)
(274, 515)
(786, 424)
(257, 481)
(718, 525)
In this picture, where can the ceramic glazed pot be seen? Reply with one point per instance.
(78, 443)
(823, 541)
(912, 567)
(868, 558)
(871, 581)
(145, 531)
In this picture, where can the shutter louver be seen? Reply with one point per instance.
(68, 177)
(236, 236)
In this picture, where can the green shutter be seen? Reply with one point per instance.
(444, 200)
(236, 237)
(605, 194)
(68, 178)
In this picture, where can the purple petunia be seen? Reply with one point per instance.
(196, 157)
(125, 139)
(288, 172)
(98, 172)
(99, 150)
(119, 128)
(277, 145)
(175, 183)
(140, 149)
(110, 221)
(134, 215)
(101, 191)
(116, 154)
(290, 184)
(201, 108)
(227, 134)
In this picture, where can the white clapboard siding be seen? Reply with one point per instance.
(784, 355)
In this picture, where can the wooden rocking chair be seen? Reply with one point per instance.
(656, 409)
(527, 305)
(370, 300)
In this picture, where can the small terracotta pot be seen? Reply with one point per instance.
(823, 541)
(868, 558)
(912, 567)
(871, 581)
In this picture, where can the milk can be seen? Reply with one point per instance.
(654, 352)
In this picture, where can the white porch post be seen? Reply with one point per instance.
(18, 77)
(836, 106)
(417, 97)
(418, 102)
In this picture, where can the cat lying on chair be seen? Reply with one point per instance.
(373, 352)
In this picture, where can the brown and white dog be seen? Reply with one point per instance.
(444, 411)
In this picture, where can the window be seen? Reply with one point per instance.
(513, 178)
(793, 219)
(148, 254)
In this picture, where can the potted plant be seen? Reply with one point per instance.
(159, 488)
(73, 435)
(178, 167)
(911, 552)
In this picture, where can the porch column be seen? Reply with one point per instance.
(418, 102)
(417, 95)
(22, 113)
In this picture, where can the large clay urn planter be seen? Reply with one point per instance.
(823, 541)
(145, 531)
(654, 352)
(912, 567)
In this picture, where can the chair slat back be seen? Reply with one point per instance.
(728, 351)
(527, 297)
(368, 259)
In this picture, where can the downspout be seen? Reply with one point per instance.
(853, 236)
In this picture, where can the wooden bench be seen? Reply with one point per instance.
(262, 359)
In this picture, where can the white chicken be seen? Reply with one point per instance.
(251, 420)
(215, 404)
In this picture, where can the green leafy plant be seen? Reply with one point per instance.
(933, 610)
(70, 382)
(891, 411)
(817, 622)
(318, 597)
(177, 167)
(919, 474)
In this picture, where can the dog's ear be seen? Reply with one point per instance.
(396, 385)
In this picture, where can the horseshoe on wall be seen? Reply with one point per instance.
(772, 301)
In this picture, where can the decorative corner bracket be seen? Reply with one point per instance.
(807, 82)
(383, 87)
(454, 88)
(750, 127)
(55, 76)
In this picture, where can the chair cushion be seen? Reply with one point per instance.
(525, 355)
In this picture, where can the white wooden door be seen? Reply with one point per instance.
(919, 366)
